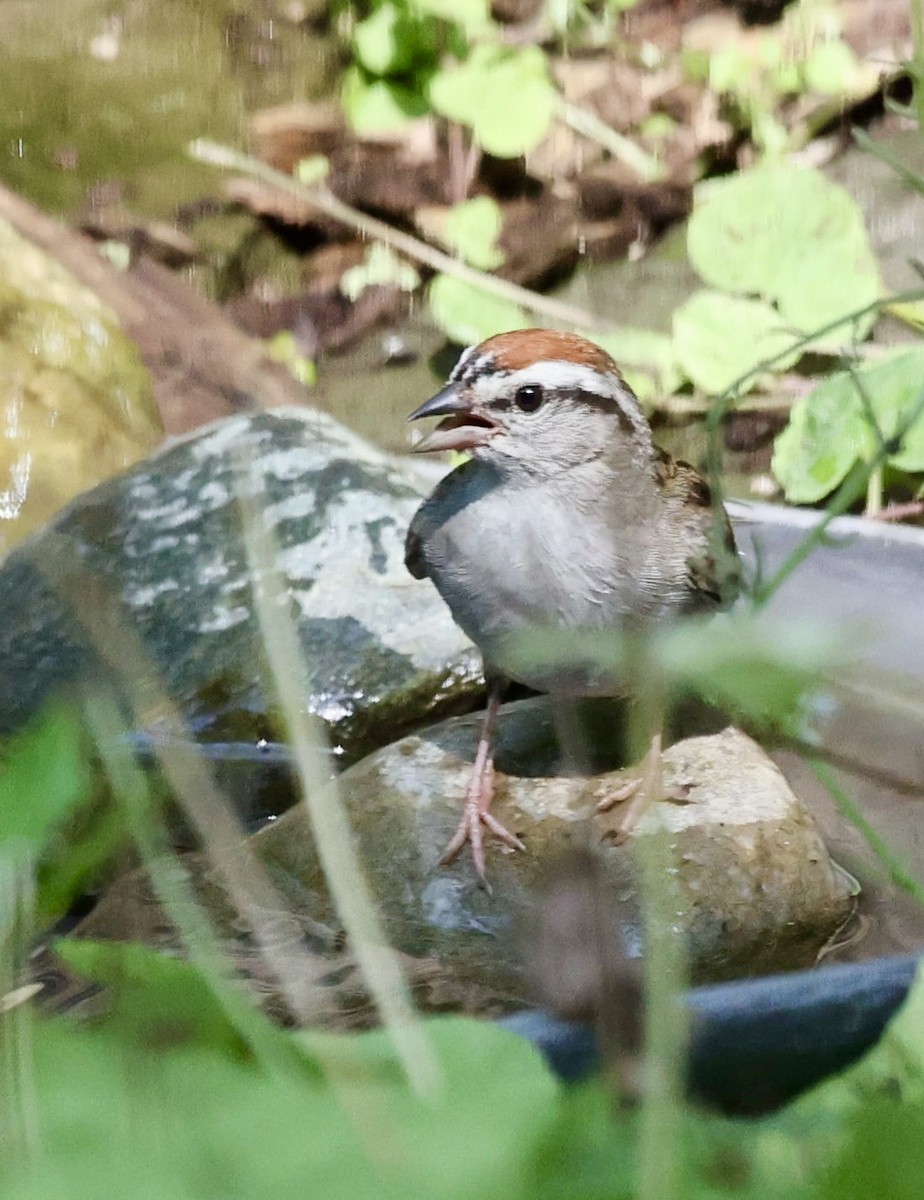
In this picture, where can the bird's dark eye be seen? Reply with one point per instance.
(528, 398)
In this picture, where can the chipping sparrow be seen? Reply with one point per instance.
(567, 515)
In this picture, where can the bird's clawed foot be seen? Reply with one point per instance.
(639, 793)
(476, 817)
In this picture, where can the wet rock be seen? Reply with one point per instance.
(757, 889)
(163, 543)
(75, 402)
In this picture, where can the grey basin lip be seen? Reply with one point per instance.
(748, 512)
(756, 1043)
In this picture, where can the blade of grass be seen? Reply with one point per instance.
(20, 1133)
(898, 872)
(325, 809)
(172, 884)
(659, 1163)
(189, 776)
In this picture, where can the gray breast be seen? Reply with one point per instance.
(508, 558)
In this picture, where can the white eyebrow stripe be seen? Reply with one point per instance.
(552, 373)
(458, 370)
(559, 373)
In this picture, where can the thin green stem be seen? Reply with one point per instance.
(853, 487)
(324, 807)
(898, 872)
(875, 490)
(659, 1170)
(173, 887)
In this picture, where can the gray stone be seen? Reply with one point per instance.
(757, 889)
(164, 542)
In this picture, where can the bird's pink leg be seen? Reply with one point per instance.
(479, 795)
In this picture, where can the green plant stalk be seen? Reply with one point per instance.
(659, 1162)
(898, 872)
(190, 779)
(875, 491)
(171, 883)
(20, 1130)
(320, 197)
(324, 807)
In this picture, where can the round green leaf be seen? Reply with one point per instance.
(468, 314)
(377, 105)
(831, 68)
(473, 228)
(825, 436)
(384, 42)
(471, 93)
(718, 338)
(380, 267)
(830, 431)
(788, 235)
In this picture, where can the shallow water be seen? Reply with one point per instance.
(100, 102)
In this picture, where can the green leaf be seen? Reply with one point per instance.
(788, 235)
(471, 93)
(44, 777)
(385, 43)
(374, 106)
(472, 229)
(394, 40)
(762, 672)
(468, 314)
(730, 70)
(284, 348)
(830, 68)
(829, 431)
(155, 1001)
(118, 1119)
(718, 338)
(380, 267)
(312, 169)
(493, 1113)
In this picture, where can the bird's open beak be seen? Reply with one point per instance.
(463, 428)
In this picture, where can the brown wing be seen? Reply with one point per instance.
(713, 566)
